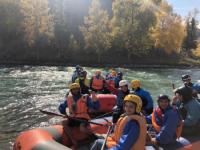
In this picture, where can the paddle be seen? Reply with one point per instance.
(107, 134)
(173, 86)
(66, 116)
(101, 116)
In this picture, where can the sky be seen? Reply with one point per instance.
(182, 7)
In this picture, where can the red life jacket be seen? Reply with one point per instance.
(97, 84)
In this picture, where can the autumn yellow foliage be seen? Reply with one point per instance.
(169, 31)
(37, 19)
(197, 51)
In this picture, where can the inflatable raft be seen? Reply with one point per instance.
(107, 102)
(54, 138)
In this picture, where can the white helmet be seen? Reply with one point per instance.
(123, 83)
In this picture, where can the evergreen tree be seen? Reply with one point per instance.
(191, 38)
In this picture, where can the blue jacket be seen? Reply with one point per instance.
(196, 86)
(146, 98)
(120, 98)
(168, 123)
(193, 110)
(129, 136)
(117, 80)
(90, 104)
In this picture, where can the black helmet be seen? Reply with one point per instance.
(120, 73)
(77, 67)
(83, 73)
(185, 77)
(163, 96)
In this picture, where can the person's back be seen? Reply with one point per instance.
(193, 113)
(147, 101)
(189, 108)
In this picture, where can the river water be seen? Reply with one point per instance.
(25, 90)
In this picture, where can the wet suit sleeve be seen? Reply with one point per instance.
(129, 136)
(92, 104)
(62, 107)
(167, 132)
(149, 100)
(119, 99)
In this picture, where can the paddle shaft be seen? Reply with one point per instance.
(66, 116)
(104, 143)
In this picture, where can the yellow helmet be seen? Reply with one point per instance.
(113, 73)
(135, 84)
(74, 86)
(135, 99)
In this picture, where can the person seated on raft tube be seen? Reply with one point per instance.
(123, 91)
(166, 122)
(75, 95)
(147, 101)
(195, 86)
(130, 130)
(97, 82)
(83, 82)
(78, 105)
(189, 108)
(110, 82)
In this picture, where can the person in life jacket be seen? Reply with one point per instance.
(78, 106)
(166, 122)
(110, 82)
(147, 101)
(76, 73)
(72, 100)
(97, 82)
(84, 82)
(189, 108)
(130, 130)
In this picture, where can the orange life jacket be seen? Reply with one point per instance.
(157, 127)
(140, 143)
(97, 84)
(81, 110)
